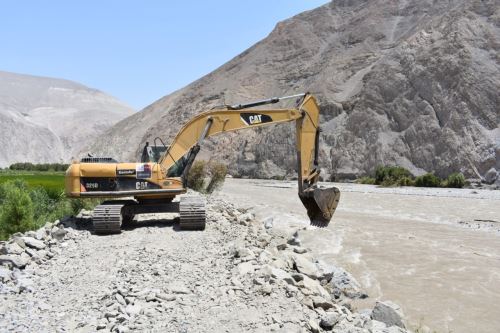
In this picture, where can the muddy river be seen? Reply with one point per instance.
(435, 252)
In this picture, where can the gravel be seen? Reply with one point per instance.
(236, 276)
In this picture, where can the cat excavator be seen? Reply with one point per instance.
(151, 185)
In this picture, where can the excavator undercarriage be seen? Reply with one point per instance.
(110, 215)
(151, 185)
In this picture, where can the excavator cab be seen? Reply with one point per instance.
(152, 153)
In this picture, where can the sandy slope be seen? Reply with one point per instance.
(49, 120)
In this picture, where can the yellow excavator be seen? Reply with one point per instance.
(163, 171)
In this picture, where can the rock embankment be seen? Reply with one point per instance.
(239, 275)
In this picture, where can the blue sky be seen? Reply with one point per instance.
(137, 51)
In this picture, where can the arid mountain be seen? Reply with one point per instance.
(412, 83)
(49, 120)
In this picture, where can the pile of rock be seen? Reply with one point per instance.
(23, 252)
(271, 261)
(240, 274)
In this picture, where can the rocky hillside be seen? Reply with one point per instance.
(239, 275)
(413, 83)
(49, 120)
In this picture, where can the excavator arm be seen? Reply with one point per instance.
(319, 202)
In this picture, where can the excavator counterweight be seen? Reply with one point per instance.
(154, 182)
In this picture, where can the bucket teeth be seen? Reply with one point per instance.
(320, 204)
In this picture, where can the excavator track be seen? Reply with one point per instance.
(192, 213)
(107, 218)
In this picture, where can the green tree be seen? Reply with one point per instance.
(16, 210)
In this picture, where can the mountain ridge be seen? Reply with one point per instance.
(46, 119)
(412, 84)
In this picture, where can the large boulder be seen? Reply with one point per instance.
(17, 261)
(33, 243)
(491, 176)
(311, 287)
(305, 266)
(388, 313)
(328, 321)
(11, 248)
(343, 283)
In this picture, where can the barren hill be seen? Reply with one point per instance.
(413, 83)
(49, 120)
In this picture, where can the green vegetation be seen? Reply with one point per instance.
(428, 180)
(17, 211)
(366, 180)
(29, 200)
(196, 176)
(399, 176)
(26, 166)
(393, 176)
(217, 173)
(456, 180)
(211, 174)
(52, 182)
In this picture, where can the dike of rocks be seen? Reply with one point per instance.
(24, 250)
(239, 275)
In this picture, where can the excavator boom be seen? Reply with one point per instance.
(320, 203)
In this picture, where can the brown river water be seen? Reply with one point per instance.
(409, 245)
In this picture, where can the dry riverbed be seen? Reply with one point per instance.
(239, 275)
(435, 252)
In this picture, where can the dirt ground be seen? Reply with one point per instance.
(433, 251)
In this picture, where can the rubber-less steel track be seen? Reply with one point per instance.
(107, 218)
(192, 213)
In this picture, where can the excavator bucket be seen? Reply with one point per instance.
(320, 204)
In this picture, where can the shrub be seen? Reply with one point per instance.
(399, 176)
(16, 212)
(42, 202)
(196, 176)
(428, 180)
(218, 172)
(23, 208)
(366, 180)
(392, 175)
(456, 180)
(405, 181)
(214, 172)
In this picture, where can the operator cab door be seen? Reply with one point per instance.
(152, 153)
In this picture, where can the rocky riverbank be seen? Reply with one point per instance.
(239, 275)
